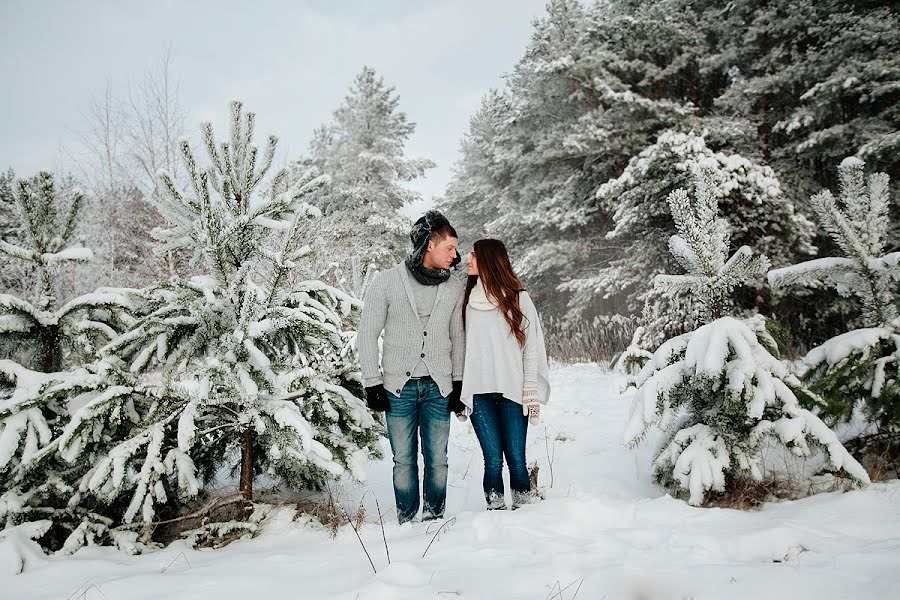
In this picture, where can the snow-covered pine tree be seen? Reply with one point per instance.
(240, 367)
(8, 224)
(861, 366)
(599, 82)
(595, 85)
(480, 175)
(362, 150)
(818, 77)
(858, 224)
(45, 331)
(38, 389)
(718, 390)
(700, 249)
(749, 193)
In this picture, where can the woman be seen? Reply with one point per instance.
(505, 374)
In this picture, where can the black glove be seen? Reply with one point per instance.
(376, 398)
(454, 404)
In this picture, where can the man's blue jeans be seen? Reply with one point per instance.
(502, 430)
(419, 410)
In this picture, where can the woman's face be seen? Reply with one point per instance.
(473, 264)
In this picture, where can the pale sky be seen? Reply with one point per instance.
(290, 62)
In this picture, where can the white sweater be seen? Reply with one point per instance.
(495, 363)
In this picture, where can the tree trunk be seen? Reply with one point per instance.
(247, 469)
(692, 83)
(660, 87)
(48, 362)
(765, 127)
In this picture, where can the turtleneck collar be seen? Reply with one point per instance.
(479, 298)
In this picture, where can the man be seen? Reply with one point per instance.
(418, 306)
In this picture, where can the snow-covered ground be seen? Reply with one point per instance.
(604, 532)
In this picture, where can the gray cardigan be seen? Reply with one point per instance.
(390, 306)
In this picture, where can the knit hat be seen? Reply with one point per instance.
(421, 232)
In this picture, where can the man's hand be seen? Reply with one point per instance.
(376, 398)
(454, 404)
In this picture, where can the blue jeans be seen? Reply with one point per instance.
(502, 430)
(420, 409)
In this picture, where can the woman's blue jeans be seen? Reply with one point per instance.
(419, 410)
(502, 430)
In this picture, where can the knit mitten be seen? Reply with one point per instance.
(530, 406)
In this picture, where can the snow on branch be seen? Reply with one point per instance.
(858, 223)
(701, 248)
(719, 375)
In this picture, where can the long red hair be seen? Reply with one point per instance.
(500, 282)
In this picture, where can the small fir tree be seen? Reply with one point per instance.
(859, 367)
(50, 344)
(237, 366)
(45, 331)
(719, 391)
(701, 249)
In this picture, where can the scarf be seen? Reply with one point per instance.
(479, 300)
(423, 275)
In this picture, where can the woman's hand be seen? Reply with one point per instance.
(530, 406)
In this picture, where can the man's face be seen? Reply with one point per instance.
(440, 253)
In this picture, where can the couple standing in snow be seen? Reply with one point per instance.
(476, 350)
